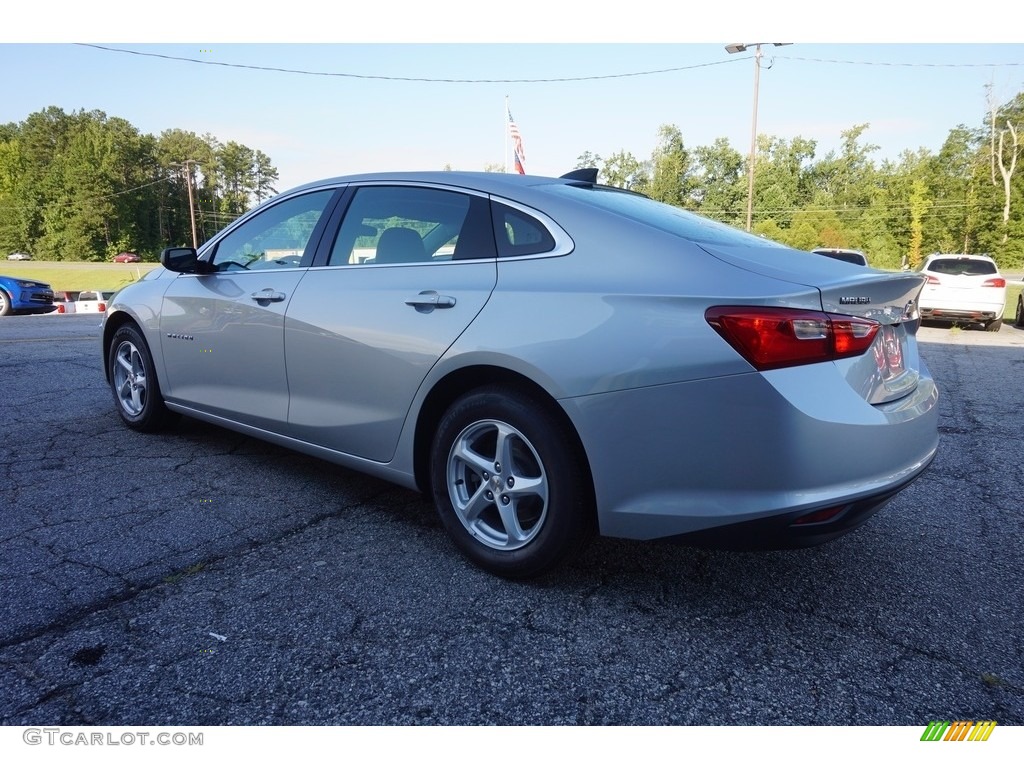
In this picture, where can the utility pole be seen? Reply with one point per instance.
(740, 48)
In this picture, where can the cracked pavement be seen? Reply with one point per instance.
(198, 577)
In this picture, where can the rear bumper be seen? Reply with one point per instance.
(794, 530)
(977, 309)
(975, 315)
(741, 459)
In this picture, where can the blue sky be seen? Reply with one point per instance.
(911, 93)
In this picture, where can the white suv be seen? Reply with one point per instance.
(963, 288)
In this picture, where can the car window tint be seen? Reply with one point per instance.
(519, 234)
(410, 225)
(961, 267)
(275, 238)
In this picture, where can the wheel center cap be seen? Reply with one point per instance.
(495, 482)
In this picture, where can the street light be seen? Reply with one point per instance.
(740, 48)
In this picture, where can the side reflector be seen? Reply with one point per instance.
(821, 516)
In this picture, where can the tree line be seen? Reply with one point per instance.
(83, 186)
(966, 198)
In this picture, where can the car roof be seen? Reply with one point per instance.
(483, 181)
(964, 256)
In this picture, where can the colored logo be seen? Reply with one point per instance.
(961, 730)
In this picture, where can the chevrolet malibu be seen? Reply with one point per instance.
(545, 357)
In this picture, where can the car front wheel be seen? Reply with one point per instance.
(510, 487)
(133, 381)
(5, 304)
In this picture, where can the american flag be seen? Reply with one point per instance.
(517, 143)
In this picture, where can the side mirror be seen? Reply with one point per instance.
(183, 260)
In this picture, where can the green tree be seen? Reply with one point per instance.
(719, 188)
(671, 167)
(623, 170)
(266, 176)
(919, 205)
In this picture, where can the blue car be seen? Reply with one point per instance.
(28, 296)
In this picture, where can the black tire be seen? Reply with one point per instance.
(1019, 319)
(526, 517)
(5, 304)
(133, 382)
(994, 326)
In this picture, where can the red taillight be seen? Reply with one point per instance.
(774, 337)
(102, 307)
(994, 282)
(932, 280)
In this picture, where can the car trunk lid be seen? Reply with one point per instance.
(889, 369)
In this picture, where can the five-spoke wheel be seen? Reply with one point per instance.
(133, 381)
(509, 482)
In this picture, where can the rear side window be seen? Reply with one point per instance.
(965, 267)
(518, 233)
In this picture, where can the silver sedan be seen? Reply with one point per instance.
(546, 357)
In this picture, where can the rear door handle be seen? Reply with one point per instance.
(428, 301)
(267, 295)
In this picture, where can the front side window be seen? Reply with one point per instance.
(412, 225)
(275, 238)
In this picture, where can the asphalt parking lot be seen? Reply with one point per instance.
(204, 578)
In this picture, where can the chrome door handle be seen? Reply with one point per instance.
(430, 300)
(267, 294)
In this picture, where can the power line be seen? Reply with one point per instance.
(942, 64)
(484, 81)
(352, 75)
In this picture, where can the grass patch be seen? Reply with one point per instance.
(78, 276)
(1013, 290)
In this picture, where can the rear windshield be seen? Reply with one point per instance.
(962, 267)
(661, 216)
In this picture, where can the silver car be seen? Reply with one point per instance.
(546, 357)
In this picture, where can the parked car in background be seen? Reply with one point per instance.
(844, 254)
(19, 257)
(546, 357)
(963, 288)
(92, 301)
(127, 258)
(21, 296)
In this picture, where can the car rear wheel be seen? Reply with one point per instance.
(1019, 319)
(995, 325)
(133, 382)
(511, 489)
(5, 304)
